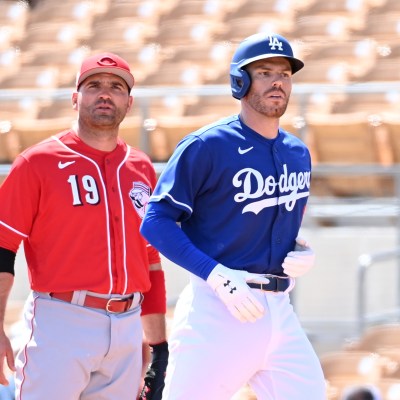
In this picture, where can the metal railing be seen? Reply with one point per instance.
(365, 262)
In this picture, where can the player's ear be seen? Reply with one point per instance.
(130, 103)
(75, 101)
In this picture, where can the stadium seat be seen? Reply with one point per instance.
(31, 132)
(391, 125)
(333, 7)
(13, 19)
(56, 108)
(169, 105)
(383, 70)
(381, 27)
(190, 30)
(294, 123)
(221, 78)
(351, 10)
(125, 31)
(389, 48)
(269, 9)
(147, 11)
(65, 11)
(45, 56)
(65, 60)
(357, 365)
(355, 49)
(55, 34)
(377, 337)
(349, 139)
(324, 71)
(170, 73)
(17, 108)
(236, 29)
(5, 157)
(368, 103)
(213, 58)
(142, 134)
(323, 28)
(207, 9)
(386, 6)
(358, 55)
(12, 11)
(32, 77)
(345, 139)
(318, 102)
(172, 130)
(220, 106)
(203, 53)
(10, 61)
(130, 131)
(392, 354)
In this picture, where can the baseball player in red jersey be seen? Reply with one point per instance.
(76, 200)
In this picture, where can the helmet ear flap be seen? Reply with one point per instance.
(240, 83)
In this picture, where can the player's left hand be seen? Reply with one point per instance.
(155, 375)
(299, 261)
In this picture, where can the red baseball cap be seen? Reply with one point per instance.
(105, 62)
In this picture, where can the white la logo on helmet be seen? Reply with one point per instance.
(274, 42)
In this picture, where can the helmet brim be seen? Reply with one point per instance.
(295, 63)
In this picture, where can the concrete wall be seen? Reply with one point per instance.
(326, 298)
(329, 290)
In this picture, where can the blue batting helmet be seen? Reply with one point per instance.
(258, 47)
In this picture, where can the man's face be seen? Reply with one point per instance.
(271, 85)
(102, 100)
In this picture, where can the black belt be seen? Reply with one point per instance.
(275, 284)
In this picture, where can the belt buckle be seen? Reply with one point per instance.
(264, 287)
(110, 301)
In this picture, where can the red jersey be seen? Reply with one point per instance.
(78, 211)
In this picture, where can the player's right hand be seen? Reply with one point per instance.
(230, 285)
(299, 261)
(6, 354)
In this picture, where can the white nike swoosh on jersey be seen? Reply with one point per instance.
(244, 151)
(62, 165)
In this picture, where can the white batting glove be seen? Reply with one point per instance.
(230, 286)
(299, 261)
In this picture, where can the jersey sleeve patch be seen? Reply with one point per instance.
(140, 196)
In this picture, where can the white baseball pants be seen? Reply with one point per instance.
(213, 355)
(78, 353)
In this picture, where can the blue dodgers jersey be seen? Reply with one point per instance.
(241, 196)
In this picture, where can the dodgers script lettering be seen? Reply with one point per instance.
(291, 188)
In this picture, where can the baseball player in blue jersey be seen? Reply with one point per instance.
(228, 208)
